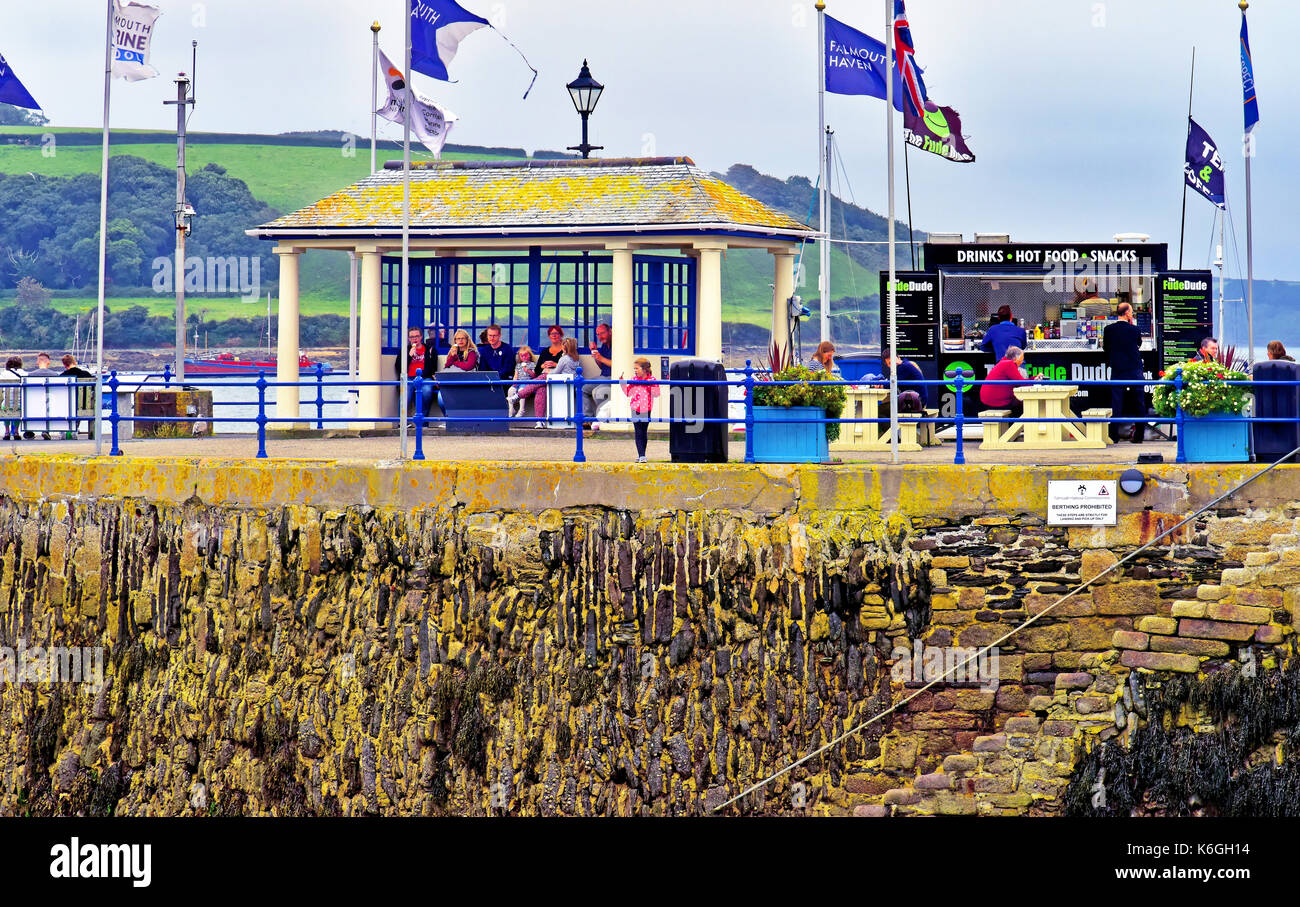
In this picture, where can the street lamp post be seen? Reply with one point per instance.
(585, 92)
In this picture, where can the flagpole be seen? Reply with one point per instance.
(1220, 261)
(406, 231)
(1250, 257)
(103, 238)
(893, 301)
(1182, 228)
(823, 276)
(374, 92)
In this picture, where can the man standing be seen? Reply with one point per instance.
(1122, 343)
(495, 356)
(602, 352)
(1004, 334)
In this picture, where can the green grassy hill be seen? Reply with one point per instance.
(289, 177)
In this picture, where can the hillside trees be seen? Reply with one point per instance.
(49, 226)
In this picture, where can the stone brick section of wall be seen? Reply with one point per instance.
(291, 659)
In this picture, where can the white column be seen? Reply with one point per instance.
(287, 350)
(369, 341)
(708, 304)
(621, 325)
(783, 290)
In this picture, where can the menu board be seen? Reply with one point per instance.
(916, 300)
(1184, 306)
(916, 341)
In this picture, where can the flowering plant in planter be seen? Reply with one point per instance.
(827, 398)
(1205, 390)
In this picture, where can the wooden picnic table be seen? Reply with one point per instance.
(863, 401)
(1045, 402)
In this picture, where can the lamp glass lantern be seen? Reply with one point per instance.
(585, 92)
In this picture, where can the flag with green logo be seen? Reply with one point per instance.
(937, 131)
(1204, 166)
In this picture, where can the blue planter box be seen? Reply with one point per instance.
(1213, 439)
(802, 440)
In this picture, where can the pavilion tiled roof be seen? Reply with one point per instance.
(549, 196)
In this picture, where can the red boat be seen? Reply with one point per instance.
(229, 364)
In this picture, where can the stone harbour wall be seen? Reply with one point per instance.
(337, 638)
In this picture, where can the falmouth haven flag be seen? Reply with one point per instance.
(430, 124)
(132, 32)
(12, 91)
(437, 28)
(855, 63)
(1249, 101)
(1204, 167)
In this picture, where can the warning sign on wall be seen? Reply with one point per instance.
(1081, 503)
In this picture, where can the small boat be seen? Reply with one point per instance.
(224, 364)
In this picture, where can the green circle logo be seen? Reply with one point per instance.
(960, 366)
(937, 123)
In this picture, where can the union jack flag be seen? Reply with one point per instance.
(905, 60)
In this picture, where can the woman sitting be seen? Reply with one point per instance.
(1002, 396)
(463, 355)
(824, 357)
(1277, 351)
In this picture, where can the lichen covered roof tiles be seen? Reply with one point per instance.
(523, 195)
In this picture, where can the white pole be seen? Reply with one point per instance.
(352, 319)
(406, 229)
(893, 310)
(823, 221)
(1250, 266)
(1222, 332)
(103, 238)
(374, 93)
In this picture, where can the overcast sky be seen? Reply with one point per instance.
(1074, 108)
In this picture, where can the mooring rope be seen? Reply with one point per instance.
(896, 706)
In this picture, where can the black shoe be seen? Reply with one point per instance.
(45, 436)
(1136, 440)
(28, 435)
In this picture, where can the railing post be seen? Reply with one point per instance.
(1181, 455)
(113, 417)
(419, 413)
(261, 415)
(749, 411)
(320, 396)
(578, 455)
(167, 375)
(960, 416)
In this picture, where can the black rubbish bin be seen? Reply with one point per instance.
(691, 441)
(1274, 440)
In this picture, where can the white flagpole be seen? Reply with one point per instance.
(1250, 263)
(823, 225)
(893, 310)
(374, 92)
(406, 229)
(103, 238)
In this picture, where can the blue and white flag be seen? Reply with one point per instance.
(437, 28)
(132, 32)
(1248, 79)
(12, 91)
(855, 63)
(1204, 167)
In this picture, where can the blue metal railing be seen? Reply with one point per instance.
(749, 382)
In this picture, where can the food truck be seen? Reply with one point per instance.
(1063, 295)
